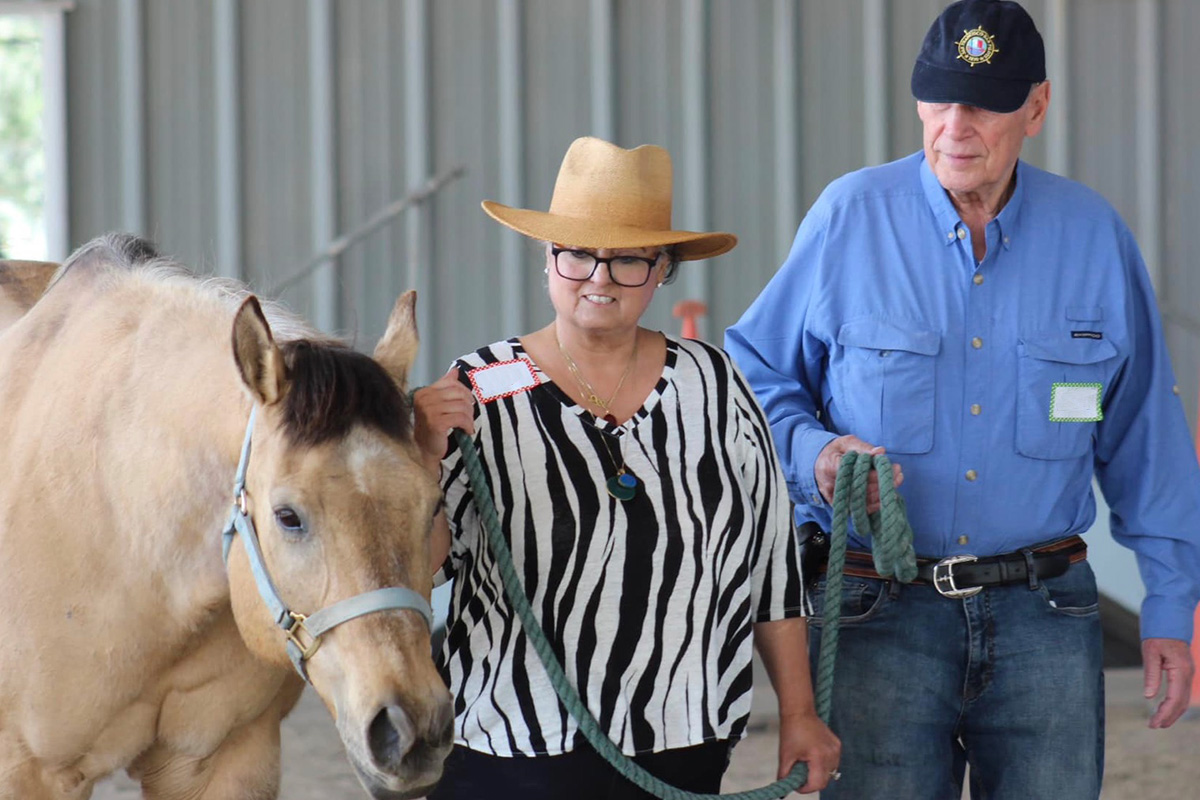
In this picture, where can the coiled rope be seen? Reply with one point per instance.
(890, 527)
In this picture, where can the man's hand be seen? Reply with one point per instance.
(1173, 657)
(830, 459)
(438, 409)
(804, 737)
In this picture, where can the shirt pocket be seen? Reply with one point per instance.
(1044, 360)
(887, 381)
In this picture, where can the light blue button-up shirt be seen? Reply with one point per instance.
(881, 324)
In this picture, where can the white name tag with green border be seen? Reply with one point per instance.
(1075, 402)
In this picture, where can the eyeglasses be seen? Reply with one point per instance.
(580, 265)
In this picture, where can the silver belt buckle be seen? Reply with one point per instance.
(943, 577)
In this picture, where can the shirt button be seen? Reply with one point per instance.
(1006, 240)
(972, 474)
(950, 235)
(962, 233)
(1175, 389)
(978, 278)
(976, 410)
(816, 498)
(977, 343)
(963, 539)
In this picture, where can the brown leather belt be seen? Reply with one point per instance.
(963, 576)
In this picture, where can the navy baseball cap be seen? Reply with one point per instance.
(985, 53)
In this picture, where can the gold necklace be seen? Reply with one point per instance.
(590, 394)
(623, 485)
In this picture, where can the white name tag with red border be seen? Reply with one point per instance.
(503, 379)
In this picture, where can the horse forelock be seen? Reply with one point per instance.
(332, 388)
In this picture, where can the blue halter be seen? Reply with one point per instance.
(303, 632)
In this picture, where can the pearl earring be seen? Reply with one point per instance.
(660, 284)
(545, 270)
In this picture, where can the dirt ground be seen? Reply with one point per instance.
(1141, 764)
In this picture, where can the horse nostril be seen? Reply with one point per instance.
(390, 737)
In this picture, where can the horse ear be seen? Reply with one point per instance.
(258, 358)
(397, 349)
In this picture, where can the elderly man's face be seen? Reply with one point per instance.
(972, 151)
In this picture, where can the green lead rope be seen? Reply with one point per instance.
(893, 552)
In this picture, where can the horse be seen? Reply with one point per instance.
(134, 630)
(21, 284)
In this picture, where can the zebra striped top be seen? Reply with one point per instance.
(649, 603)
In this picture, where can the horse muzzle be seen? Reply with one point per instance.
(399, 755)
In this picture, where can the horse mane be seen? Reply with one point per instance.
(331, 386)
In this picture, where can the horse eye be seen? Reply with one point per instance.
(289, 520)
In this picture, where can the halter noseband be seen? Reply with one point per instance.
(303, 632)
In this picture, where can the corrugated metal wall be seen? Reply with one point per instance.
(244, 135)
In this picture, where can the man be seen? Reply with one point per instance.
(992, 327)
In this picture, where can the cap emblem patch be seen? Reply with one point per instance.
(977, 47)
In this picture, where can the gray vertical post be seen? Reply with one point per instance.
(876, 58)
(693, 178)
(603, 43)
(513, 267)
(227, 67)
(323, 157)
(54, 133)
(787, 127)
(1148, 155)
(133, 115)
(1058, 71)
(418, 224)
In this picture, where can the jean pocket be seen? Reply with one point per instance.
(1072, 594)
(1049, 364)
(862, 599)
(887, 381)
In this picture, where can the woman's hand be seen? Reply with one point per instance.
(437, 410)
(804, 737)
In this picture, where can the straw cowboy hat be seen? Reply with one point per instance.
(609, 197)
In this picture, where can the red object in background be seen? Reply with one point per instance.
(689, 311)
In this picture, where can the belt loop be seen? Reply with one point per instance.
(893, 589)
(1030, 569)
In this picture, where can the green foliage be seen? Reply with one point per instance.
(22, 167)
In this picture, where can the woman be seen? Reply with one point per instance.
(646, 511)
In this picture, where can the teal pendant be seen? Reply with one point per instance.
(622, 486)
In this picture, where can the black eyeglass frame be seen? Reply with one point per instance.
(651, 263)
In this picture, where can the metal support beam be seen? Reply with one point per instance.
(132, 81)
(511, 110)
(54, 135)
(227, 102)
(1148, 148)
(323, 157)
(876, 52)
(603, 43)
(787, 127)
(1058, 71)
(418, 224)
(693, 184)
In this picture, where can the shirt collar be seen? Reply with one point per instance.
(947, 215)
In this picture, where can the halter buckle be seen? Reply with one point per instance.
(943, 578)
(241, 502)
(293, 632)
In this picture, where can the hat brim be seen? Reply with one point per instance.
(932, 84)
(597, 234)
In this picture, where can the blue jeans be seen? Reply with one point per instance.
(1009, 681)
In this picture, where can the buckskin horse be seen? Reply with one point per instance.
(144, 411)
